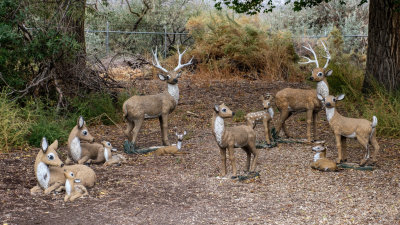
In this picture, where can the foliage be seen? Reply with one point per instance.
(241, 47)
(239, 116)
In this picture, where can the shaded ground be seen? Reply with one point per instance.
(185, 190)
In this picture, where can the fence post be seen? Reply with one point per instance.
(165, 42)
(107, 38)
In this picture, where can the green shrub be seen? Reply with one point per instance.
(239, 116)
(49, 128)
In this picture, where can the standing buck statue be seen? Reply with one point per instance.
(233, 137)
(289, 100)
(138, 108)
(344, 127)
(265, 116)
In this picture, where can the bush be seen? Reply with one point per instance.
(241, 47)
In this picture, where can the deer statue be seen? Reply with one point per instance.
(138, 108)
(49, 170)
(80, 135)
(289, 100)
(73, 189)
(265, 116)
(173, 149)
(321, 162)
(229, 138)
(344, 127)
(108, 158)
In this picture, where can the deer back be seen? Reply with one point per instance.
(297, 99)
(149, 106)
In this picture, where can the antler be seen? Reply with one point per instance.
(180, 66)
(309, 48)
(158, 63)
(328, 56)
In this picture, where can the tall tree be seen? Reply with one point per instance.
(383, 56)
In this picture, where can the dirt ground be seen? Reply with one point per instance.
(186, 190)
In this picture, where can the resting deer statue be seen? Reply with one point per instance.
(49, 170)
(229, 138)
(73, 188)
(345, 127)
(138, 108)
(108, 158)
(173, 149)
(289, 100)
(265, 116)
(321, 162)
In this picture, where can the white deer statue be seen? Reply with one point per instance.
(138, 108)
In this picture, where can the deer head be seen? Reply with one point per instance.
(49, 155)
(223, 111)
(171, 77)
(330, 101)
(81, 131)
(318, 74)
(267, 102)
(180, 135)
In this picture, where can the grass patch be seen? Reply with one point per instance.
(239, 116)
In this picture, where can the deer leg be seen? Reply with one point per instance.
(223, 163)
(375, 144)
(254, 150)
(309, 120)
(68, 161)
(248, 152)
(315, 119)
(285, 114)
(232, 159)
(339, 148)
(344, 148)
(164, 129)
(364, 142)
(128, 130)
(266, 131)
(52, 187)
(84, 159)
(269, 130)
(66, 198)
(138, 124)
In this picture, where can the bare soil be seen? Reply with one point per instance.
(186, 190)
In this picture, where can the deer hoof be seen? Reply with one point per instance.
(363, 162)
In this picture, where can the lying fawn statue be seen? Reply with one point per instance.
(233, 137)
(265, 116)
(321, 162)
(73, 188)
(289, 100)
(345, 127)
(173, 149)
(138, 108)
(49, 170)
(110, 158)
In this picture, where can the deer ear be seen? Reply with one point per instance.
(261, 98)
(176, 133)
(340, 97)
(320, 97)
(184, 132)
(327, 74)
(81, 122)
(162, 77)
(179, 75)
(77, 180)
(54, 145)
(216, 108)
(45, 145)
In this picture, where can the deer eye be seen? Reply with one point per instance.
(168, 77)
(50, 156)
(319, 74)
(71, 174)
(268, 104)
(108, 143)
(84, 132)
(334, 99)
(223, 110)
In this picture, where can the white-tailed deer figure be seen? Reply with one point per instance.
(79, 135)
(265, 116)
(321, 162)
(173, 149)
(138, 108)
(109, 158)
(73, 188)
(289, 100)
(229, 138)
(49, 170)
(345, 127)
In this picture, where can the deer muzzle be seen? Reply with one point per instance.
(311, 78)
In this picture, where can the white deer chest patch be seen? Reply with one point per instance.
(219, 129)
(43, 175)
(76, 150)
(322, 89)
(329, 113)
(173, 90)
(271, 112)
(67, 187)
(106, 156)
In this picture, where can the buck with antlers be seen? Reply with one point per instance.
(289, 100)
(265, 116)
(138, 108)
(344, 127)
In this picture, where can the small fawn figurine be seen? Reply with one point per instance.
(321, 162)
(109, 158)
(265, 116)
(173, 149)
(233, 137)
(345, 127)
(73, 189)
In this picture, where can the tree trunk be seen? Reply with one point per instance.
(383, 56)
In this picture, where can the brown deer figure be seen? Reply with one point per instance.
(289, 100)
(229, 138)
(321, 162)
(76, 152)
(109, 158)
(265, 116)
(345, 127)
(49, 170)
(138, 108)
(73, 188)
(173, 149)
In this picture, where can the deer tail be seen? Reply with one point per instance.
(373, 126)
